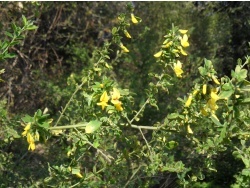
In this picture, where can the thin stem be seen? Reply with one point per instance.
(132, 176)
(143, 106)
(146, 127)
(144, 139)
(68, 126)
(107, 157)
(71, 98)
(146, 144)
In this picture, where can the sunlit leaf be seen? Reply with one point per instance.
(92, 126)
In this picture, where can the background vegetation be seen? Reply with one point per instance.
(70, 37)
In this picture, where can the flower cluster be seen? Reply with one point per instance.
(213, 97)
(31, 137)
(174, 45)
(178, 69)
(126, 33)
(115, 96)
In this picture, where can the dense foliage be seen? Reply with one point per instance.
(124, 94)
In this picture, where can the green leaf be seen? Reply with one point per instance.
(245, 88)
(31, 27)
(173, 116)
(44, 125)
(9, 34)
(239, 74)
(92, 126)
(114, 30)
(215, 120)
(38, 113)
(4, 45)
(27, 119)
(9, 55)
(246, 162)
(13, 133)
(24, 20)
(226, 94)
(245, 101)
(172, 144)
(246, 172)
(202, 71)
(96, 144)
(75, 170)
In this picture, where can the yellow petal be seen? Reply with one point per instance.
(124, 49)
(24, 133)
(215, 80)
(182, 31)
(27, 127)
(182, 51)
(30, 138)
(158, 54)
(189, 130)
(214, 96)
(204, 89)
(188, 102)
(212, 104)
(115, 94)
(118, 106)
(134, 20)
(104, 97)
(184, 41)
(103, 104)
(175, 51)
(167, 45)
(127, 34)
(79, 175)
(32, 146)
(195, 92)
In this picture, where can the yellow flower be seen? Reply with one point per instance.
(115, 99)
(127, 34)
(26, 129)
(118, 105)
(189, 130)
(204, 112)
(175, 51)
(37, 136)
(177, 69)
(158, 54)
(215, 80)
(212, 105)
(124, 49)
(101, 85)
(134, 20)
(115, 95)
(104, 99)
(31, 142)
(184, 41)
(167, 45)
(195, 92)
(204, 89)
(79, 175)
(188, 102)
(182, 51)
(212, 101)
(182, 31)
(214, 96)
